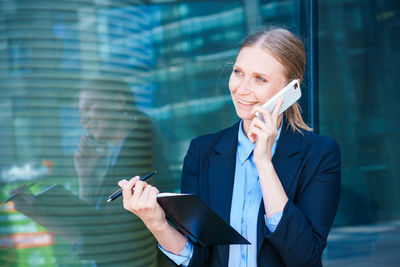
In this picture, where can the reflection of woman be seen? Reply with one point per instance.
(276, 171)
(109, 115)
(118, 144)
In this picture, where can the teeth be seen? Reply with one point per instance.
(246, 102)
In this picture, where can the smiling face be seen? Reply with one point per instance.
(95, 117)
(257, 76)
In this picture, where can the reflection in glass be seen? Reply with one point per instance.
(77, 79)
(117, 144)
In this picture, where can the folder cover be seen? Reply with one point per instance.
(58, 210)
(201, 224)
(186, 211)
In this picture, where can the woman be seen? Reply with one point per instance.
(117, 144)
(275, 170)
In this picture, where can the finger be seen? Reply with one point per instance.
(261, 110)
(255, 135)
(86, 150)
(89, 142)
(265, 113)
(122, 183)
(84, 141)
(139, 187)
(250, 133)
(153, 195)
(134, 180)
(127, 186)
(144, 198)
(277, 107)
(263, 136)
(126, 190)
(275, 112)
(258, 127)
(266, 129)
(154, 190)
(258, 133)
(125, 193)
(256, 122)
(252, 136)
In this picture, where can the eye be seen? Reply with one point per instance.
(86, 107)
(237, 71)
(260, 79)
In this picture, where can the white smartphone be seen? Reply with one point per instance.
(290, 94)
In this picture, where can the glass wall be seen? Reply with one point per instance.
(92, 92)
(359, 59)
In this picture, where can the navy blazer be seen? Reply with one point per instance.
(308, 166)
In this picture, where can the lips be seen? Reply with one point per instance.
(246, 102)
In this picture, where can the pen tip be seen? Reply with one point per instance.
(109, 200)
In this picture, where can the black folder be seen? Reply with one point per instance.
(58, 210)
(186, 211)
(197, 221)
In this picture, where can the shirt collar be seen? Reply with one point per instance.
(116, 150)
(245, 147)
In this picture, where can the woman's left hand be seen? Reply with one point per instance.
(142, 201)
(263, 133)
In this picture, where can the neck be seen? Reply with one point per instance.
(119, 135)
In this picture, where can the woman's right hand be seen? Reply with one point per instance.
(142, 201)
(89, 157)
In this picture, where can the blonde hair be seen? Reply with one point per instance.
(288, 49)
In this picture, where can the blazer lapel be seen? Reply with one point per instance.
(286, 166)
(284, 159)
(221, 177)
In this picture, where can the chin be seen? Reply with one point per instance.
(245, 116)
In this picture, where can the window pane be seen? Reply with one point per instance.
(92, 92)
(359, 107)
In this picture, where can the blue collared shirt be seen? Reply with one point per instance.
(246, 200)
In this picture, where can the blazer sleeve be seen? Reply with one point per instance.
(301, 235)
(190, 184)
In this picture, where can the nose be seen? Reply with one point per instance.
(244, 87)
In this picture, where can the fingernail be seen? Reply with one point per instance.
(122, 182)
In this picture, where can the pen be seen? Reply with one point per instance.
(119, 191)
(16, 191)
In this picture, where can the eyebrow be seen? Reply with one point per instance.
(256, 73)
(262, 74)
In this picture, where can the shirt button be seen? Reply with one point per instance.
(243, 257)
(242, 220)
